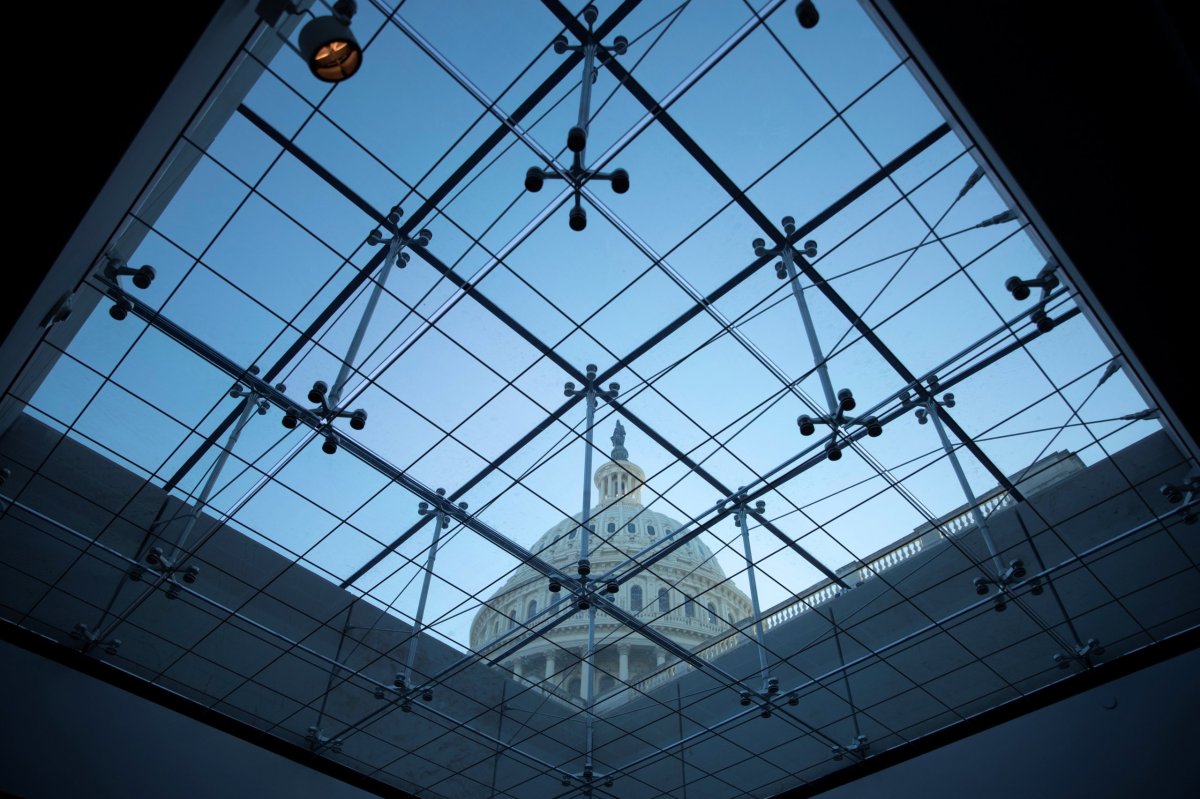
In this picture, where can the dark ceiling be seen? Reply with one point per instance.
(1095, 110)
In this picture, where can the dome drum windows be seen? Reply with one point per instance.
(664, 600)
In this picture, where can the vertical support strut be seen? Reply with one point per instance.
(328, 399)
(585, 98)
(439, 523)
(814, 343)
(837, 640)
(837, 404)
(252, 403)
(758, 628)
(586, 597)
(584, 516)
(590, 699)
(578, 173)
(952, 454)
(499, 735)
(335, 393)
(584, 550)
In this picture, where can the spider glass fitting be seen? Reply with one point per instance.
(858, 748)
(1083, 655)
(1047, 281)
(577, 174)
(318, 741)
(1187, 494)
(807, 14)
(114, 269)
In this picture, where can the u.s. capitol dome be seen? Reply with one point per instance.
(685, 596)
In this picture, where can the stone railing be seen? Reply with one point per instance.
(790, 609)
(966, 520)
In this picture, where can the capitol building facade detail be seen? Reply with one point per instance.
(685, 596)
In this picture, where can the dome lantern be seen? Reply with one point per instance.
(620, 480)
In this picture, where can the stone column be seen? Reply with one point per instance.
(550, 669)
(623, 662)
(661, 658)
(516, 667)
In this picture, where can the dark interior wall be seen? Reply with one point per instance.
(1127, 738)
(1094, 108)
(68, 734)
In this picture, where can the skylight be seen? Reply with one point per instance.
(806, 300)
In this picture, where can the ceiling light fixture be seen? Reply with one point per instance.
(328, 45)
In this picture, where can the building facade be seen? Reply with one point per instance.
(685, 596)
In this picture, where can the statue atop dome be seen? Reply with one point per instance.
(619, 453)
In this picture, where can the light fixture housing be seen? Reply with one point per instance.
(328, 45)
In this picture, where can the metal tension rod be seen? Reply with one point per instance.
(860, 745)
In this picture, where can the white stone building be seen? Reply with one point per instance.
(685, 596)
